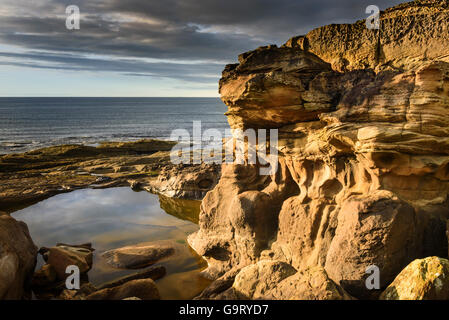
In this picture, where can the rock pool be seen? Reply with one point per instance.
(112, 218)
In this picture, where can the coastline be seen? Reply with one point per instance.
(144, 165)
(33, 176)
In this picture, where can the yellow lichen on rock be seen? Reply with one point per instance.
(423, 279)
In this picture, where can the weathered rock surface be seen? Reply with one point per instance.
(310, 284)
(140, 255)
(409, 33)
(17, 258)
(363, 166)
(144, 289)
(256, 280)
(423, 279)
(276, 280)
(62, 256)
(186, 181)
(376, 229)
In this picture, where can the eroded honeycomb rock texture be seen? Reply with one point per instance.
(363, 178)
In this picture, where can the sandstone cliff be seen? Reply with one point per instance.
(363, 179)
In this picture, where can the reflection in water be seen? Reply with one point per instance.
(183, 209)
(112, 218)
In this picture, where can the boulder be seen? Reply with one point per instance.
(62, 256)
(44, 276)
(423, 279)
(256, 280)
(186, 181)
(376, 229)
(311, 284)
(17, 258)
(144, 289)
(140, 255)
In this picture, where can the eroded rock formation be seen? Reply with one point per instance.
(363, 148)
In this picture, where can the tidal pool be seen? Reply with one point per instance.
(112, 218)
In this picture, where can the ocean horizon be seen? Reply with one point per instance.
(28, 123)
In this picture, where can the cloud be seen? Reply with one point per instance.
(199, 73)
(189, 40)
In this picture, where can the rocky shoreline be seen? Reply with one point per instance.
(361, 190)
(37, 175)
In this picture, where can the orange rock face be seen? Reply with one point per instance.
(363, 152)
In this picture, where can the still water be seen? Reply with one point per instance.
(113, 218)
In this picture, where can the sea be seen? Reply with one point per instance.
(31, 123)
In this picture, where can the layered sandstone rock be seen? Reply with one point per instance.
(409, 34)
(363, 165)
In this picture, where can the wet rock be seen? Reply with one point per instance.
(423, 279)
(102, 180)
(154, 273)
(144, 289)
(135, 185)
(140, 255)
(17, 258)
(62, 256)
(44, 277)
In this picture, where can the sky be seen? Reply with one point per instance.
(147, 48)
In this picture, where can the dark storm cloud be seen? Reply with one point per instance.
(205, 31)
(202, 73)
(273, 20)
